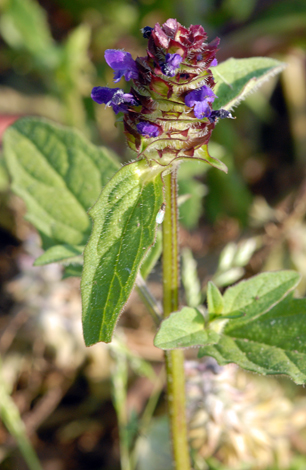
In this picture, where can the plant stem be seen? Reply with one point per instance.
(174, 359)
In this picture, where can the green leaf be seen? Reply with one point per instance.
(184, 329)
(215, 301)
(275, 344)
(123, 231)
(153, 256)
(73, 270)
(269, 343)
(244, 302)
(59, 175)
(237, 78)
(59, 253)
(257, 295)
(203, 155)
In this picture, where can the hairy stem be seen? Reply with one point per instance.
(174, 359)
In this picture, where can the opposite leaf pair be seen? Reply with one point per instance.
(257, 324)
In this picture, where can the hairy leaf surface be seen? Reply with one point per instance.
(273, 343)
(59, 175)
(236, 78)
(257, 295)
(123, 231)
(184, 329)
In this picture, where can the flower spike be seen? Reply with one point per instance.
(168, 112)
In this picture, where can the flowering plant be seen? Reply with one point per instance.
(178, 95)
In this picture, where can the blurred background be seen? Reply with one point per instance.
(80, 406)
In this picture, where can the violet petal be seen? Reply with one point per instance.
(103, 95)
(171, 64)
(114, 97)
(201, 94)
(122, 63)
(202, 109)
(148, 129)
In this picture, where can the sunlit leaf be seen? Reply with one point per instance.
(257, 295)
(123, 231)
(237, 78)
(59, 175)
(271, 342)
(215, 301)
(184, 329)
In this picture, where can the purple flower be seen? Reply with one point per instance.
(148, 129)
(114, 97)
(122, 63)
(200, 99)
(171, 64)
(214, 63)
